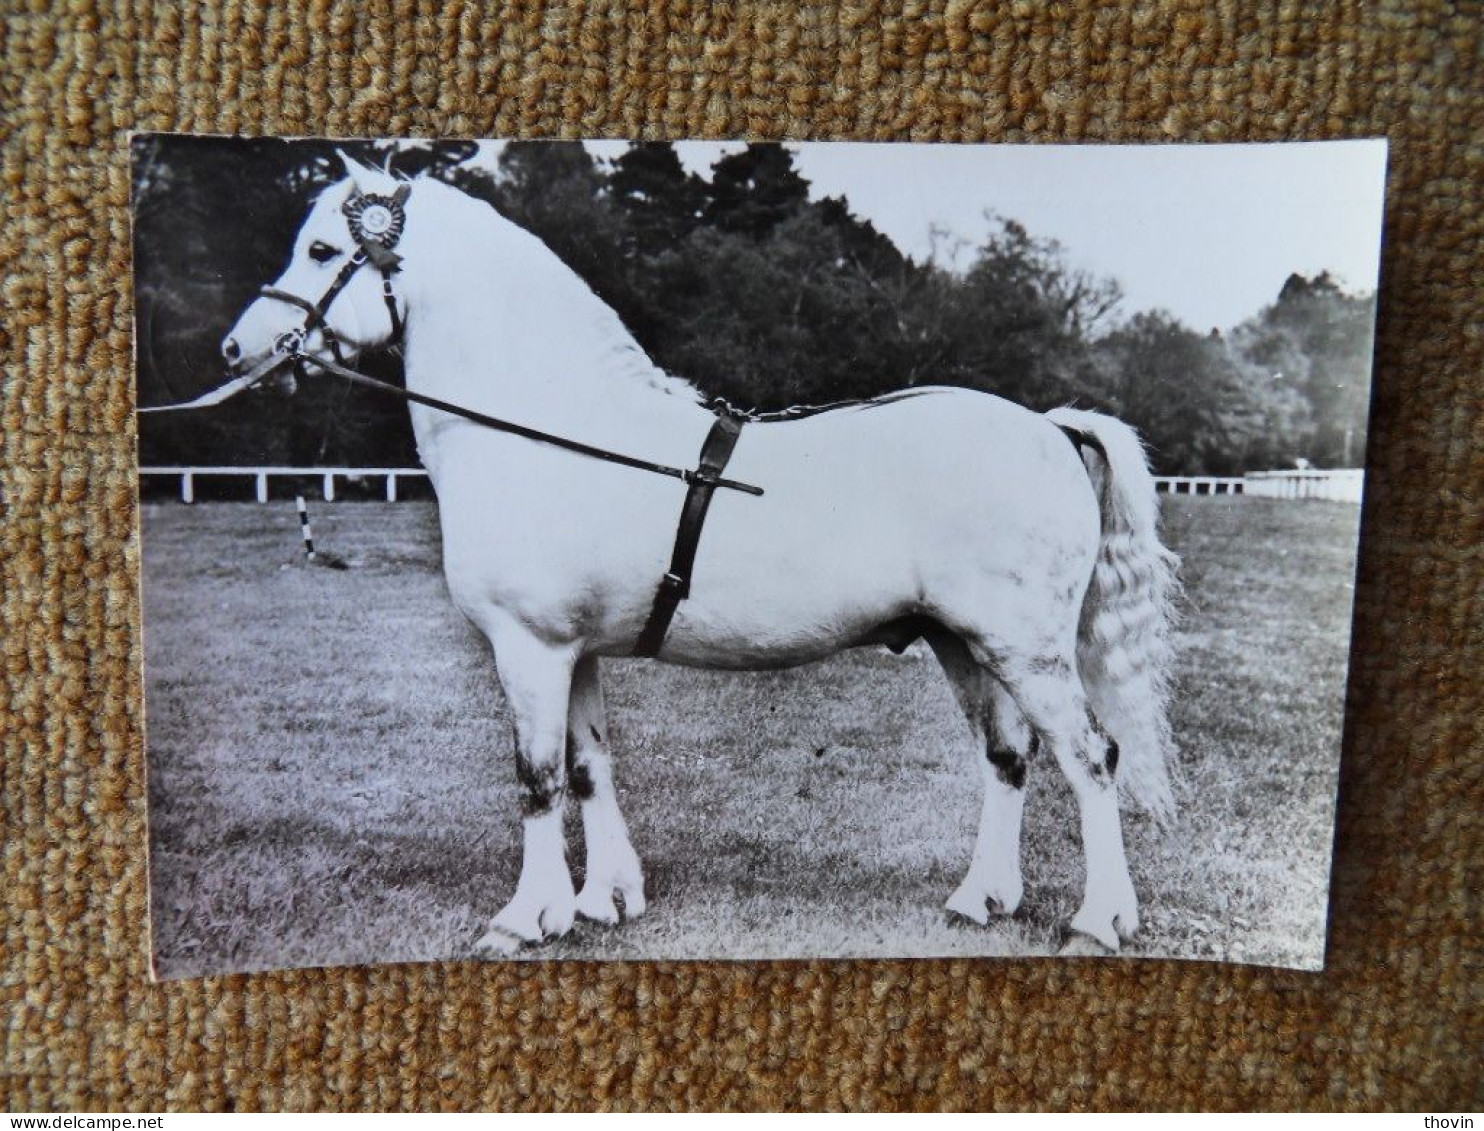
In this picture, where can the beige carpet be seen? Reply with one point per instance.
(1397, 1019)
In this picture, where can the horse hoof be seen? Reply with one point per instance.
(1098, 928)
(632, 896)
(974, 908)
(598, 906)
(979, 903)
(1078, 945)
(497, 943)
(557, 920)
(1126, 923)
(526, 921)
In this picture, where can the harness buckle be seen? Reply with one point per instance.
(674, 583)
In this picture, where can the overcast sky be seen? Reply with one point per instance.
(1207, 232)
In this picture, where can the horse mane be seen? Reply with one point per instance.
(630, 360)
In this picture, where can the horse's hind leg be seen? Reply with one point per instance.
(1049, 693)
(612, 865)
(1003, 743)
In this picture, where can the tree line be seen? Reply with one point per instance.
(742, 283)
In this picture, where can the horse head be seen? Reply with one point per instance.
(336, 299)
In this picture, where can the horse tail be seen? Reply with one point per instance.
(1123, 646)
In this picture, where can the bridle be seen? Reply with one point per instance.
(376, 224)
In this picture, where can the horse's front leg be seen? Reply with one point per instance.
(537, 678)
(612, 864)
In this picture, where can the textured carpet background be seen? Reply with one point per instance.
(1396, 1020)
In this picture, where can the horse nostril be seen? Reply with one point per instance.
(232, 351)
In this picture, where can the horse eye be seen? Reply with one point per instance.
(321, 252)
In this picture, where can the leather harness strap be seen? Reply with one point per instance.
(675, 586)
(315, 311)
(715, 452)
(494, 423)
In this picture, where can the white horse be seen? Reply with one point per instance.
(1029, 563)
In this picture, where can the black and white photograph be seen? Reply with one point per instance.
(559, 550)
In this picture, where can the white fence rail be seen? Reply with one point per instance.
(261, 475)
(1340, 485)
(1198, 485)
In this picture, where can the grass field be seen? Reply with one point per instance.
(331, 779)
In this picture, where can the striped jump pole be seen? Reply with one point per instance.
(304, 526)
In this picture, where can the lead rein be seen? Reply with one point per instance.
(355, 378)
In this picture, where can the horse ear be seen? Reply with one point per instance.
(362, 176)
